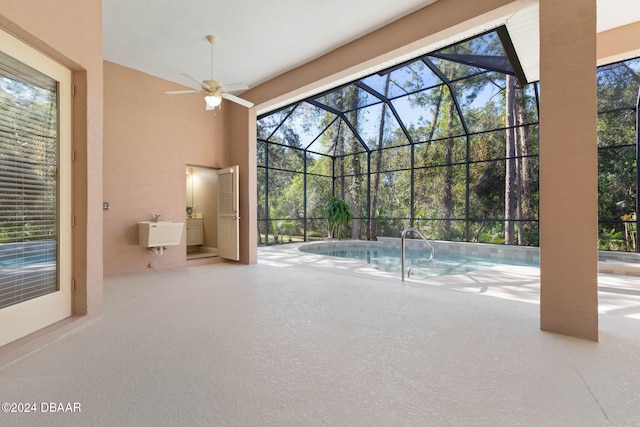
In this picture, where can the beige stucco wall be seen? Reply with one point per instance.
(149, 139)
(568, 168)
(619, 44)
(71, 33)
(242, 137)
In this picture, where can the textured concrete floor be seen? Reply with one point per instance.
(306, 340)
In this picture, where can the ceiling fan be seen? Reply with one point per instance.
(213, 90)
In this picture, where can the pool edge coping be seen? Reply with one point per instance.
(608, 262)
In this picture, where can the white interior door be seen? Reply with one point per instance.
(228, 213)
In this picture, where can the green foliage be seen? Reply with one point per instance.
(338, 214)
(617, 90)
(495, 238)
(6, 236)
(28, 160)
(286, 231)
(611, 241)
(451, 183)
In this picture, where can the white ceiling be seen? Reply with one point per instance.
(257, 39)
(616, 13)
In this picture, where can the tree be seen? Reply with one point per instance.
(28, 161)
(338, 215)
(373, 231)
(510, 195)
(445, 168)
(617, 93)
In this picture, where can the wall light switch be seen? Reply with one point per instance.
(106, 206)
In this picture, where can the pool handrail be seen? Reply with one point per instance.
(404, 233)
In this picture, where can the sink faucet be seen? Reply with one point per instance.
(155, 217)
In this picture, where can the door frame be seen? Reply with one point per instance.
(19, 320)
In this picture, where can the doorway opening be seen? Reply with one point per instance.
(202, 207)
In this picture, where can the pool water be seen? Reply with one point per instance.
(388, 259)
(26, 254)
(26, 262)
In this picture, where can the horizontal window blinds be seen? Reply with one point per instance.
(28, 182)
(18, 71)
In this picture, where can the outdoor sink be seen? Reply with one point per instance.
(158, 234)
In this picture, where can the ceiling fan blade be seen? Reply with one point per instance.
(177, 92)
(198, 82)
(237, 100)
(234, 87)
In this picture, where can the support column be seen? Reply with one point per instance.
(241, 135)
(568, 168)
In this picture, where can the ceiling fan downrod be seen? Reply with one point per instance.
(212, 40)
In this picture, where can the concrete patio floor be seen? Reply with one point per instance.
(306, 340)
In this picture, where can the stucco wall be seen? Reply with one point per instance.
(568, 168)
(618, 44)
(149, 139)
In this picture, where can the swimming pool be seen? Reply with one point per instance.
(26, 254)
(388, 258)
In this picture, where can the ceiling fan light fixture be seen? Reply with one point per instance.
(214, 90)
(213, 100)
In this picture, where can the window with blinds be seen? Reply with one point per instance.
(28, 183)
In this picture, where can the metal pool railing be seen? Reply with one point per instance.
(404, 233)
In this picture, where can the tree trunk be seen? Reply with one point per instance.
(524, 187)
(356, 168)
(449, 175)
(373, 229)
(340, 155)
(510, 164)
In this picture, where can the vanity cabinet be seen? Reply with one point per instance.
(194, 232)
